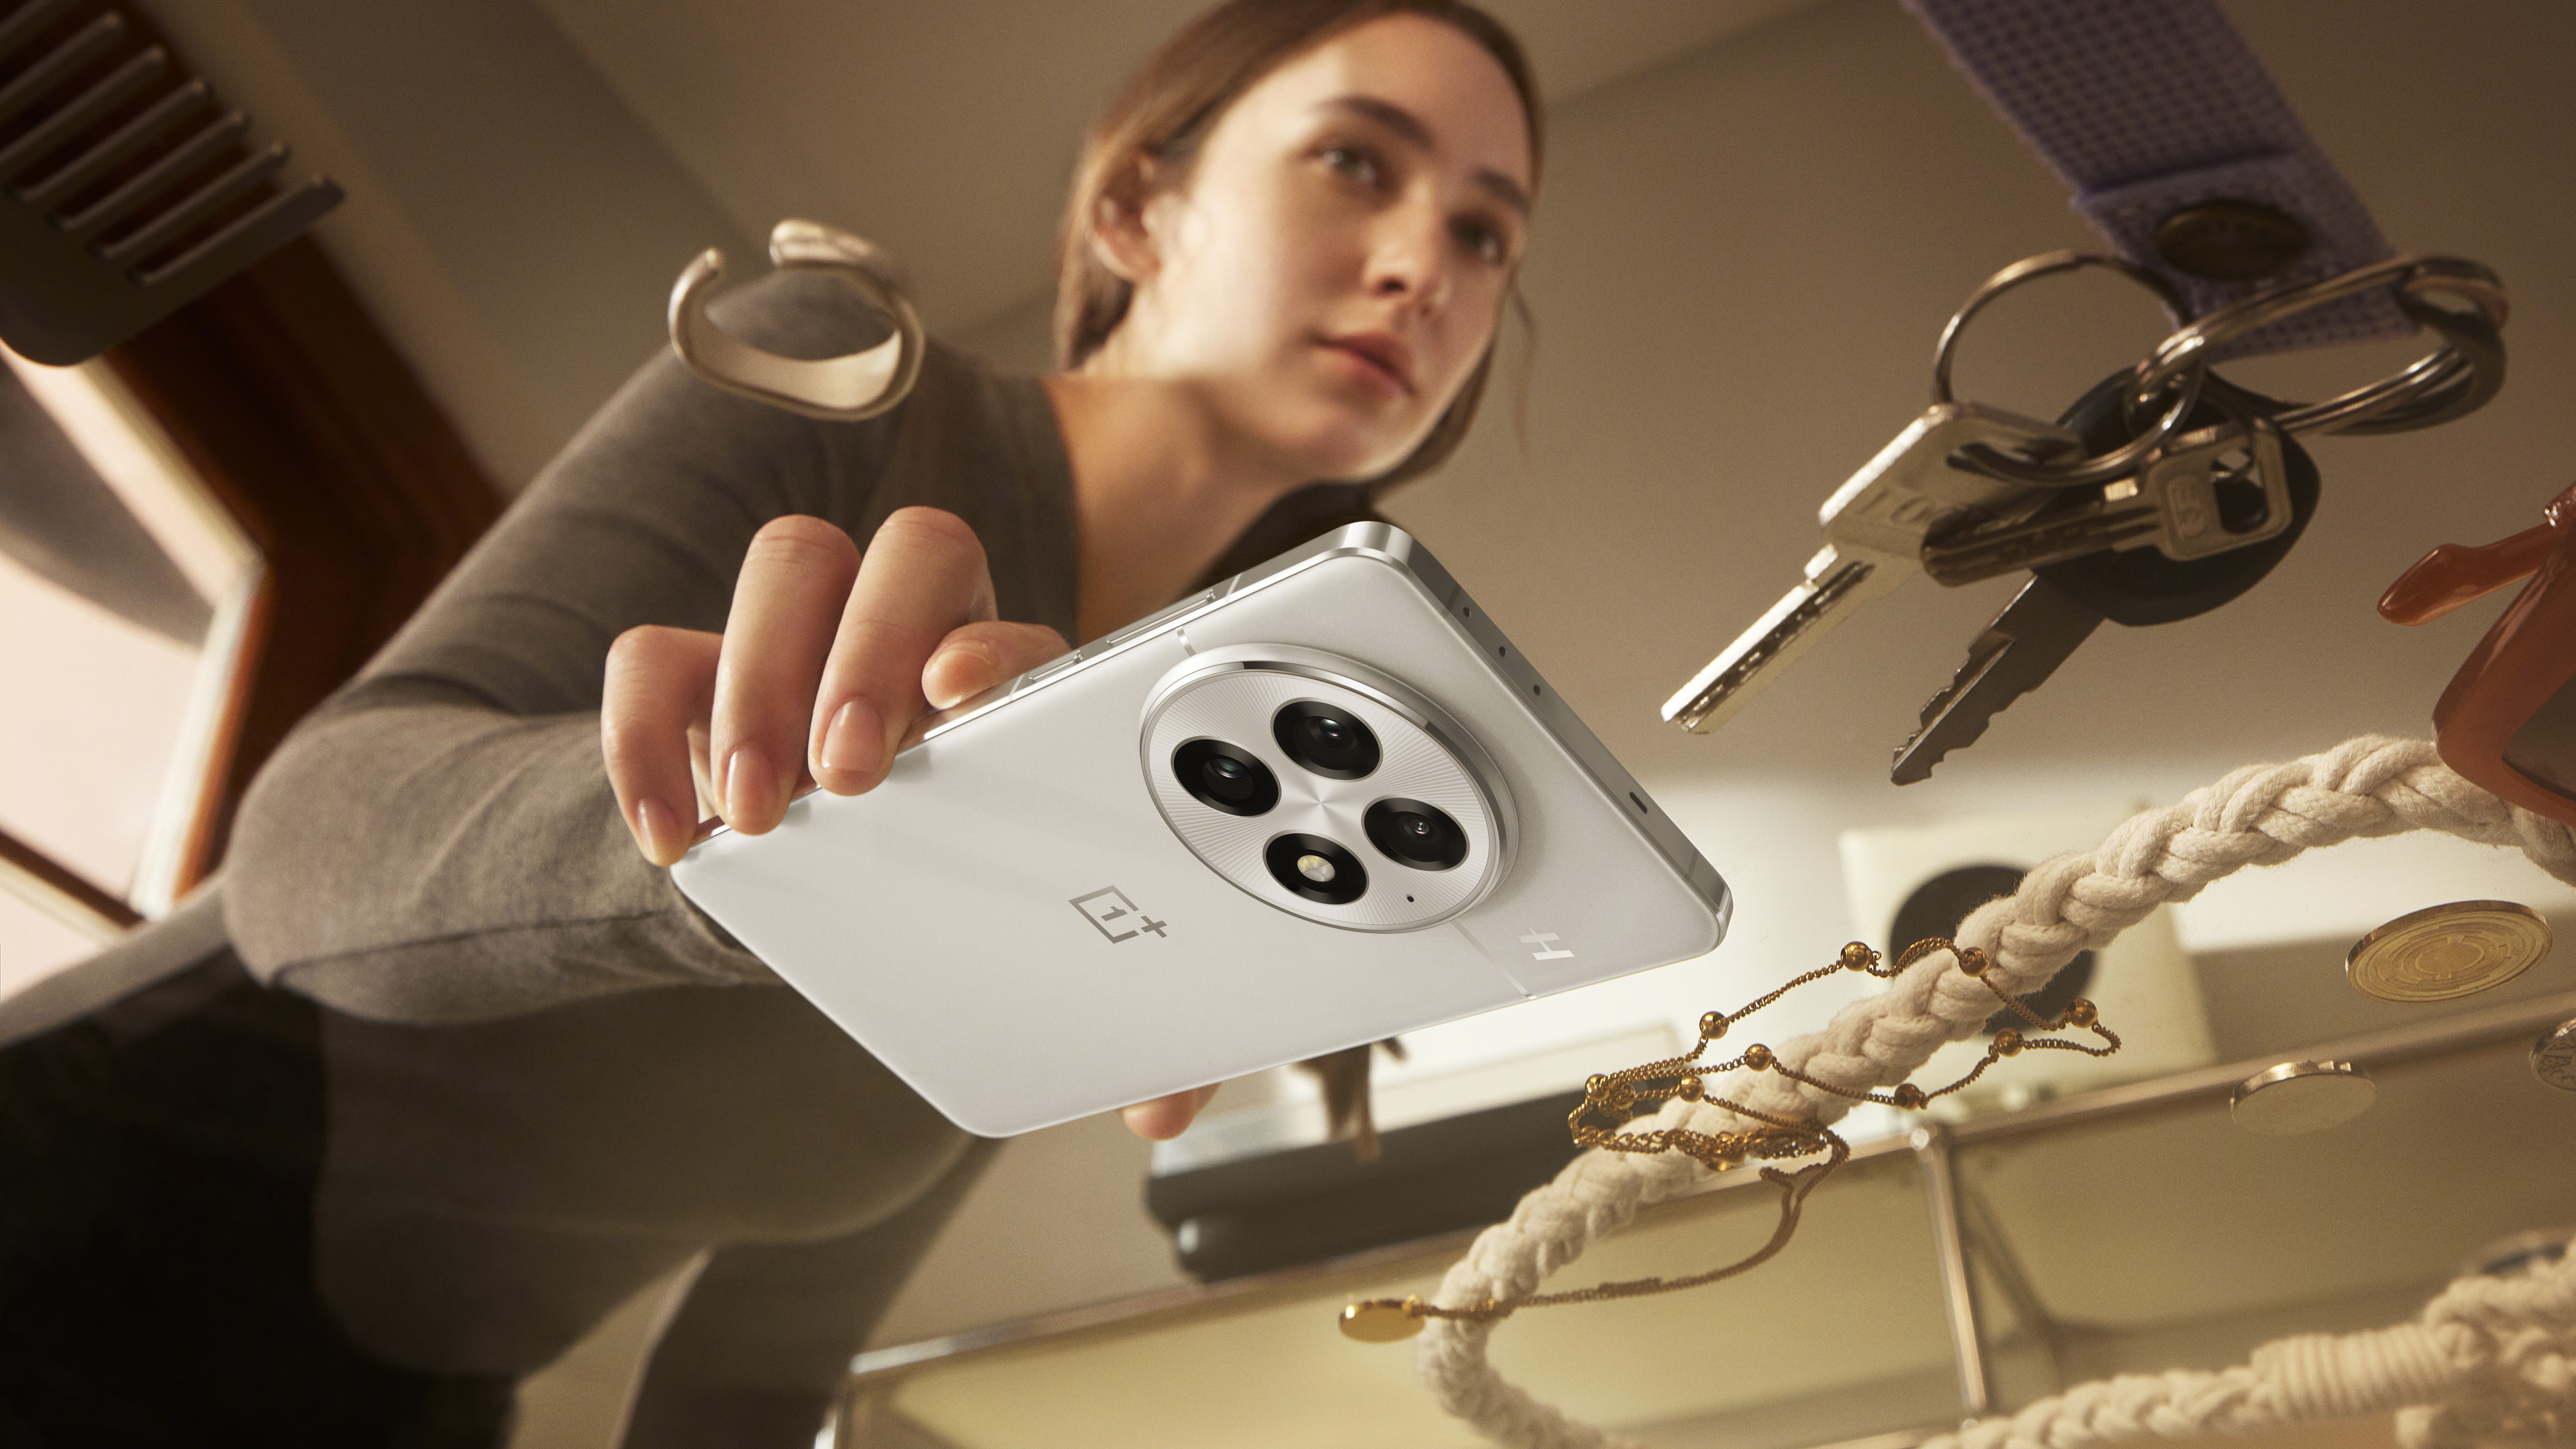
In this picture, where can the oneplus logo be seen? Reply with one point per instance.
(1547, 950)
(1110, 905)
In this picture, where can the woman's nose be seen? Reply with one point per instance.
(1410, 258)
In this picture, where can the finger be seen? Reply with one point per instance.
(923, 576)
(659, 687)
(1167, 1117)
(795, 578)
(977, 657)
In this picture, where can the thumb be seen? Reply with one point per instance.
(976, 657)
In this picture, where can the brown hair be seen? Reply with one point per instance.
(1165, 111)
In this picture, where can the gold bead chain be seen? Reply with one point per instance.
(1612, 1100)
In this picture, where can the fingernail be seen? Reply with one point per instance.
(658, 830)
(956, 674)
(749, 784)
(854, 740)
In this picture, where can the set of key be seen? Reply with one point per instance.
(2163, 493)
(2160, 495)
(2200, 522)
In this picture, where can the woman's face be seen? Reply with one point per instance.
(1333, 266)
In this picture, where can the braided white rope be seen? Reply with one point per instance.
(2492, 1359)
(2258, 815)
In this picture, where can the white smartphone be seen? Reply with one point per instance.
(1319, 804)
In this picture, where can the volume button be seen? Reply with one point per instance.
(1168, 611)
(1052, 667)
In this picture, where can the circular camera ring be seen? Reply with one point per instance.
(1225, 777)
(1315, 868)
(1293, 661)
(1327, 739)
(1409, 832)
(1232, 693)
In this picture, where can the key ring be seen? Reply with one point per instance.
(2187, 370)
(2479, 341)
(2455, 379)
(2452, 382)
(836, 389)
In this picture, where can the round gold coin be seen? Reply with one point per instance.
(2553, 1057)
(1379, 1320)
(2448, 951)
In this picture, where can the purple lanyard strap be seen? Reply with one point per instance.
(2177, 145)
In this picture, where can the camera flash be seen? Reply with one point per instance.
(1315, 868)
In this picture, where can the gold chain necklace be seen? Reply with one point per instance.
(1613, 1100)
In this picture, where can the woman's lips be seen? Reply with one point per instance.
(1379, 358)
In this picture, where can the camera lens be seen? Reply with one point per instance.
(1326, 740)
(1418, 835)
(1316, 868)
(1225, 777)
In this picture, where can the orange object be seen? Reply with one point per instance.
(2508, 720)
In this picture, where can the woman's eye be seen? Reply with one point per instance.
(1351, 161)
(1485, 243)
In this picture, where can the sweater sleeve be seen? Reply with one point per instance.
(438, 842)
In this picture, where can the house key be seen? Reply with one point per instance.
(2039, 630)
(1875, 527)
(2066, 600)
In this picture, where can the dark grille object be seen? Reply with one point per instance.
(127, 193)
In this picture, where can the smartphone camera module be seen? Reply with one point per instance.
(1418, 835)
(1316, 868)
(1225, 777)
(1325, 789)
(1331, 742)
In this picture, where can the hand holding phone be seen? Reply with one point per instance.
(828, 660)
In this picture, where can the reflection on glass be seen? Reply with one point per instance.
(2179, 1241)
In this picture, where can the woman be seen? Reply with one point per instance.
(548, 1080)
